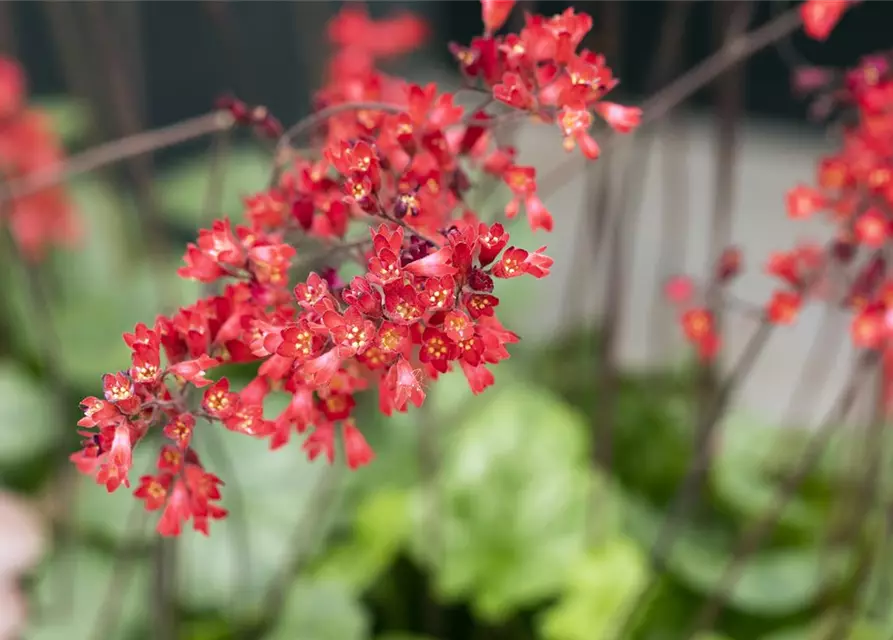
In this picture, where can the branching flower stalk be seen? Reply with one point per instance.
(397, 158)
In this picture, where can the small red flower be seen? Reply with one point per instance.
(356, 450)
(803, 201)
(621, 119)
(821, 16)
(495, 13)
(783, 307)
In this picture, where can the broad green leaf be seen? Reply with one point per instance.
(183, 189)
(71, 118)
(773, 582)
(321, 610)
(503, 522)
(399, 635)
(381, 530)
(599, 591)
(103, 290)
(852, 629)
(91, 324)
(74, 590)
(746, 475)
(28, 425)
(278, 501)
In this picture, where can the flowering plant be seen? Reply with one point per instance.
(399, 159)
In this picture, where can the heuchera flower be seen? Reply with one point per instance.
(542, 71)
(821, 16)
(426, 301)
(28, 145)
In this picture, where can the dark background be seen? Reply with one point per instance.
(189, 52)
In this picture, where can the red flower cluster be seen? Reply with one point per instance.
(854, 187)
(396, 157)
(28, 145)
(540, 71)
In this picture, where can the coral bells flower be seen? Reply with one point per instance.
(425, 301)
(700, 329)
(495, 13)
(821, 16)
(621, 119)
(28, 145)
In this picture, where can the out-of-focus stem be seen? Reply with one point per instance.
(696, 78)
(117, 150)
(754, 535)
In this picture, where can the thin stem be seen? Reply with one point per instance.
(696, 78)
(731, 21)
(321, 500)
(318, 118)
(754, 535)
(164, 580)
(117, 150)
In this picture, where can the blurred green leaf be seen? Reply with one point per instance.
(104, 290)
(381, 530)
(27, 422)
(71, 117)
(827, 624)
(79, 591)
(183, 188)
(321, 610)
(507, 510)
(600, 589)
(751, 462)
(772, 582)
(399, 635)
(269, 495)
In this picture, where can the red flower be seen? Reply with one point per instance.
(803, 201)
(193, 371)
(622, 119)
(356, 450)
(495, 13)
(783, 308)
(821, 16)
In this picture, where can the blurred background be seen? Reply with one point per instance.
(529, 512)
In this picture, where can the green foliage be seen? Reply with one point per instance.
(85, 594)
(71, 118)
(183, 189)
(598, 593)
(381, 531)
(270, 495)
(512, 544)
(321, 610)
(27, 425)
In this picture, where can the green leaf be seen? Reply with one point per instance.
(504, 521)
(381, 530)
(321, 610)
(599, 591)
(104, 291)
(751, 461)
(71, 118)
(74, 589)
(773, 582)
(821, 628)
(399, 635)
(271, 495)
(28, 425)
(183, 188)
